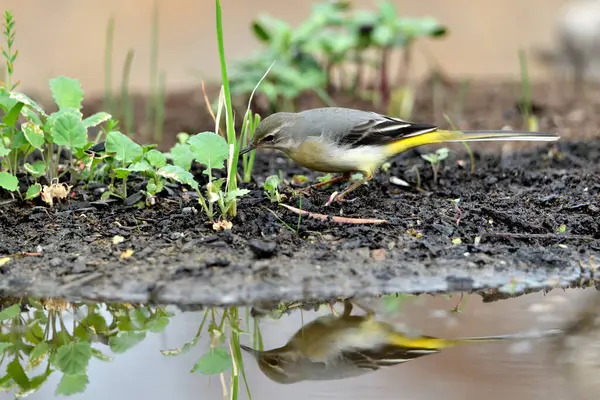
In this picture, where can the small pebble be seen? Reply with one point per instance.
(262, 249)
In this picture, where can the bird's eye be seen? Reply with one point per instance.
(272, 361)
(269, 138)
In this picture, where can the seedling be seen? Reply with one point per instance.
(526, 106)
(465, 144)
(271, 187)
(435, 159)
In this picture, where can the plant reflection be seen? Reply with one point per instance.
(33, 332)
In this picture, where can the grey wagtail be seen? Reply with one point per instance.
(346, 141)
(333, 347)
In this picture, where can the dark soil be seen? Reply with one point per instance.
(508, 220)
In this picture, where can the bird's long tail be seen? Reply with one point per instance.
(443, 136)
(433, 343)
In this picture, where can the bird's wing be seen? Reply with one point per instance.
(380, 130)
(386, 356)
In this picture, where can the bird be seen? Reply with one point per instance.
(337, 347)
(347, 141)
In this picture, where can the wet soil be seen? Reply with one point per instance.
(524, 220)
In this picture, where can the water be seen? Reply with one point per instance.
(520, 369)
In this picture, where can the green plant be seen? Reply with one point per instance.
(465, 144)
(321, 47)
(39, 337)
(271, 187)
(435, 159)
(525, 104)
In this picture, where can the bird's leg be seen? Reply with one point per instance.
(344, 177)
(340, 197)
(347, 308)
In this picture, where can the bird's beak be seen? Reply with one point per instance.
(248, 149)
(249, 350)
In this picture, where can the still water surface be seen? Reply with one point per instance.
(515, 370)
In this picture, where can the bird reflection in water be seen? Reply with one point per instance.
(338, 347)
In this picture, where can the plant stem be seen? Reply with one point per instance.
(108, 50)
(231, 138)
(383, 79)
(159, 108)
(126, 102)
(153, 68)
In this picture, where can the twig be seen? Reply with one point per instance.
(340, 220)
(538, 235)
(25, 254)
(207, 101)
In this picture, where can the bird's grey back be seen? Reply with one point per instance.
(324, 120)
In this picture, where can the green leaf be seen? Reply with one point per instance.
(33, 191)
(4, 346)
(36, 169)
(125, 149)
(233, 194)
(33, 134)
(178, 174)
(11, 117)
(214, 362)
(66, 92)
(101, 356)
(140, 166)
(125, 340)
(272, 182)
(73, 358)
(121, 173)
(16, 372)
(156, 158)
(68, 130)
(38, 353)
(158, 323)
(182, 156)
(10, 312)
(96, 119)
(27, 101)
(10, 183)
(72, 384)
(3, 150)
(209, 149)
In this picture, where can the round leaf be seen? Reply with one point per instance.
(125, 149)
(8, 182)
(214, 362)
(209, 149)
(73, 358)
(66, 92)
(34, 134)
(68, 130)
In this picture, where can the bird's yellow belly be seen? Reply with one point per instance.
(326, 158)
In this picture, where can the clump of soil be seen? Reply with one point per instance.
(522, 220)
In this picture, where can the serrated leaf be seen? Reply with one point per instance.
(27, 101)
(125, 149)
(158, 324)
(73, 358)
(96, 119)
(68, 131)
(4, 346)
(33, 134)
(209, 149)
(38, 353)
(214, 362)
(123, 341)
(66, 92)
(8, 181)
(156, 158)
(3, 150)
(72, 384)
(182, 156)
(33, 191)
(178, 174)
(10, 312)
(140, 166)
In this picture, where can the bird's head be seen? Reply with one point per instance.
(274, 132)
